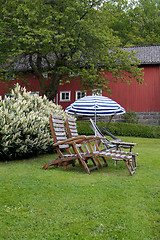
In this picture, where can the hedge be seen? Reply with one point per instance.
(121, 129)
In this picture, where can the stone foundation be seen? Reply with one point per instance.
(149, 118)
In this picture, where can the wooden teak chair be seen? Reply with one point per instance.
(116, 155)
(116, 144)
(87, 146)
(62, 143)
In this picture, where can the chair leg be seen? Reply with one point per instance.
(59, 162)
(64, 165)
(88, 170)
(99, 162)
(134, 164)
(73, 164)
(94, 162)
(129, 167)
(105, 162)
(115, 161)
(82, 162)
(50, 164)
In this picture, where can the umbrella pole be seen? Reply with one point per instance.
(95, 114)
(110, 120)
(95, 124)
(95, 118)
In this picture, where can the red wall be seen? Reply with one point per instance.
(27, 80)
(139, 98)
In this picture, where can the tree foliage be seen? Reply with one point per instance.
(65, 38)
(136, 23)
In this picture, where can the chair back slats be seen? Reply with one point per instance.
(64, 146)
(72, 132)
(58, 130)
(60, 139)
(61, 142)
(74, 135)
(71, 127)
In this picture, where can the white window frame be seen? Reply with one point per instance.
(33, 93)
(74, 75)
(77, 92)
(9, 76)
(45, 75)
(65, 99)
(95, 93)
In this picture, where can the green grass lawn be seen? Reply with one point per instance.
(70, 204)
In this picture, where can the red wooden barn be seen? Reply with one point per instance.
(138, 98)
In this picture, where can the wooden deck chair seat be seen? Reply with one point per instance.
(62, 143)
(116, 144)
(117, 155)
(127, 157)
(87, 146)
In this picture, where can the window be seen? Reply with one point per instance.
(74, 74)
(80, 94)
(96, 92)
(33, 93)
(9, 76)
(45, 75)
(65, 96)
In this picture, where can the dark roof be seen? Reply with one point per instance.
(146, 54)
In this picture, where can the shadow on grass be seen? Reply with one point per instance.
(39, 161)
(111, 170)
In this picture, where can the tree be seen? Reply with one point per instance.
(136, 23)
(145, 22)
(65, 38)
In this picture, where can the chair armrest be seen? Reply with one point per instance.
(70, 140)
(122, 143)
(92, 138)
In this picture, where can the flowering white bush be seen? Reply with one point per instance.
(24, 124)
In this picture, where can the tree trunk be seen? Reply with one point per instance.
(36, 67)
(54, 80)
(52, 89)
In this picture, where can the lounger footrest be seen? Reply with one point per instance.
(127, 153)
(92, 168)
(105, 165)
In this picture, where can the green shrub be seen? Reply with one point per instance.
(130, 117)
(84, 128)
(136, 130)
(24, 124)
(121, 129)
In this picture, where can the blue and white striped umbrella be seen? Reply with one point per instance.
(95, 105)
